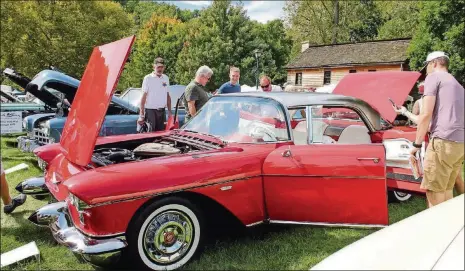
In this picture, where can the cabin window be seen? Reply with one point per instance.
(298, 79)
(352, 71)
(371, 70)
(327, 78)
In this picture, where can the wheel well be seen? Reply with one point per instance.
(215, 214)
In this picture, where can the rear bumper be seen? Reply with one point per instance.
(99, 252)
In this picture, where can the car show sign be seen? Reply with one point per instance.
(11, 122)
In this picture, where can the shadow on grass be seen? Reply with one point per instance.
(26, 231)
(274, 247)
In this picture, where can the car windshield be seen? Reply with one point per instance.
(133, 96)
(241, 119)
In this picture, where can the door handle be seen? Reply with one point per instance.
(376, 160)
(287, 153)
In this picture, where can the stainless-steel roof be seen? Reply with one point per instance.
(302, 99)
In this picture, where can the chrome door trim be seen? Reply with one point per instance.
(308, 111)
(322, 224)
(255, 223)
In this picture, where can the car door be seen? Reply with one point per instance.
(327, 184)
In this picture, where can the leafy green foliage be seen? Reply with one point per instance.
(400, 19)
(358, 21)
(441, 27)
(37, 34)
(160, 37)
(313, 21)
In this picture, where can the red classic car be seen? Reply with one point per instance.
(155, 197)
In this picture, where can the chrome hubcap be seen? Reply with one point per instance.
(168, 237)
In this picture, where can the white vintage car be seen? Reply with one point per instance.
(431, 240)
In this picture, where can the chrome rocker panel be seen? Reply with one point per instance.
(99, 252)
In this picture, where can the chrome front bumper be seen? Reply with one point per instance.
(33, 140)
(99, 252)
(27, 144)
(34, 187)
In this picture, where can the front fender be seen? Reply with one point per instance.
(231, 176)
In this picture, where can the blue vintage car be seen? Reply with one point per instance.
(34, 102)
(121, 117)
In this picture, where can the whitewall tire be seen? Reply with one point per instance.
(167, 234)
(397, 196)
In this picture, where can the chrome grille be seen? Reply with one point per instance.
(40, 137)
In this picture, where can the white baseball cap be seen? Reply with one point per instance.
(435, 55)
(432, 56)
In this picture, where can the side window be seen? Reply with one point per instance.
(338, 125)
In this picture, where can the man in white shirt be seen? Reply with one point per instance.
(155, 98)
(266, 86)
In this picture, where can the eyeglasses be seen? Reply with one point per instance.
(265, 86)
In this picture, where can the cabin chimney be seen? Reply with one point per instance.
(305, 45)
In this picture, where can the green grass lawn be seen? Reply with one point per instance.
(263, 247)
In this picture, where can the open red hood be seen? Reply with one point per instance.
(92, 99)
(376, 88)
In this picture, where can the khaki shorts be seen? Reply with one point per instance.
(443, 162)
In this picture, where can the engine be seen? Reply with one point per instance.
(108, 156)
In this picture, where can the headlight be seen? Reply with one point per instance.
(42, 164)
(46, 124)
(79, 205)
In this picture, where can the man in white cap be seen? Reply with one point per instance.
(443, 106)
(155, 97)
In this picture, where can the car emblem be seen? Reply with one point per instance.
(224, 188)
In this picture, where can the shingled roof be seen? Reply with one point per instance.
(352, 54)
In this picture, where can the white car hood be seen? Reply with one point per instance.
(430, 240)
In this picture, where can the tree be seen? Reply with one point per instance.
(400, 19)
(316, 21)
(160, 37)
(37, 34)
(441, 27)
(224, 36)
(143, 11)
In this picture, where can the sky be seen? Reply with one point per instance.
(261, 11)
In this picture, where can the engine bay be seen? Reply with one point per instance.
(141, 149)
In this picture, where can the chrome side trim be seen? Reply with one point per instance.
(171, 191)
(343, 225)
(255, 223)
(323, 176)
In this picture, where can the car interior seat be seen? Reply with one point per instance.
(354, 134)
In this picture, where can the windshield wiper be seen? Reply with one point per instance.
(190, 131)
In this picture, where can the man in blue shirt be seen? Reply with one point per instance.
(233, 85)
